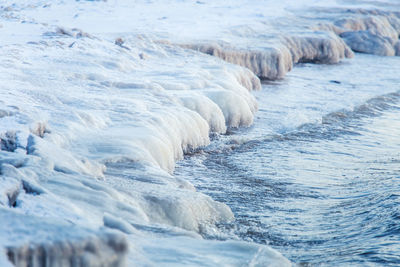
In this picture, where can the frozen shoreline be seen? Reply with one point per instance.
(92, 122)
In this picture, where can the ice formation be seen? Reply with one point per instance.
(367, 31)
(38, 242)
(95, 109)
(94, 115)
(340, 32)
(275, 61)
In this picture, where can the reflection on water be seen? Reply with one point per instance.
(318, 175)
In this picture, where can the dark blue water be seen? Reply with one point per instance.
(318, 175)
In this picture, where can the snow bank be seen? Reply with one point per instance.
(94, 134)
(152, 116)
(94, 121)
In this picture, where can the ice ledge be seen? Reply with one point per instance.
(34, 241)
(275, 61)
(373, 31)
(333, 38)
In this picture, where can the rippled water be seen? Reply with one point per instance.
(318, 175)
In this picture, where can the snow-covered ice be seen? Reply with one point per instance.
(98, 100)
(32, 241)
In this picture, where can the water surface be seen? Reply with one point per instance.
(318, 175)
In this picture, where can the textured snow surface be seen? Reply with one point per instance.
(32, 241)
(98, 100)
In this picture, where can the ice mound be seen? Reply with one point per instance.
(135, 204)
(318, 47)
(275, 61)
(33, 241)
(367, 42)
(368, 30)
